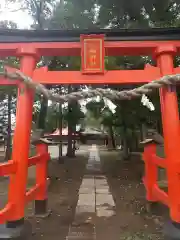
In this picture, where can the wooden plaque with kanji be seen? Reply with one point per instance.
(92, 54)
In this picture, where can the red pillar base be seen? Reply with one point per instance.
(172, 231)
(16, 230)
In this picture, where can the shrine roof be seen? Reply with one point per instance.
(150, 34)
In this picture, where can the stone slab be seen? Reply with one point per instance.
(103, 211)
(100, 177)
(104, 199)
(101, 182)
(87, 182)
(85, 209)
(84, 219)
(89, 190)
(86, 199)
(102, 191)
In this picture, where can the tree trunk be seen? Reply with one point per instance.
(125, 148)
(134, 146)
(112, 140)
(143, 131)
(8, 141)
(125, 144)
(74, 147)
(159, 126)
(43, 114)
(70, 152)
(60, 133)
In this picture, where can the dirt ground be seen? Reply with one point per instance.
(131, 220)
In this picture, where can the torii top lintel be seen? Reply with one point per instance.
(67, 42)
(78, 42)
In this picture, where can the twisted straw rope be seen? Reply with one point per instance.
(111, 94)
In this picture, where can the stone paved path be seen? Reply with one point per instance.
(95, 200)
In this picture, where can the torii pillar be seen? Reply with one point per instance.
(15, 227)
(171, 128)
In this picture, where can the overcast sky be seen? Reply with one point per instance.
(22, 18)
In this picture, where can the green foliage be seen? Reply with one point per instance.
(64, 63)
(87, 14)
(7, 24)
(74, 115)
(72, 14)
(91, 121)
(138, 13)
(95, 107)
(100, 112)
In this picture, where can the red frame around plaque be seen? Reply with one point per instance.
(92, 54)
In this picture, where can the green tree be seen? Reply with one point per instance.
(138, 13)
(105, 117)
(73, 116)
(83, 14)
(8, 96)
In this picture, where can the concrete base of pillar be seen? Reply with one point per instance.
(17, 230)
(41, 209)
(171, 231)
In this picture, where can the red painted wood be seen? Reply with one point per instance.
(21, 138)
(92, 54)
(171, 128)
(112, 48)
(43, 76)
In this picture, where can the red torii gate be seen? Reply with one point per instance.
(92, 49)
